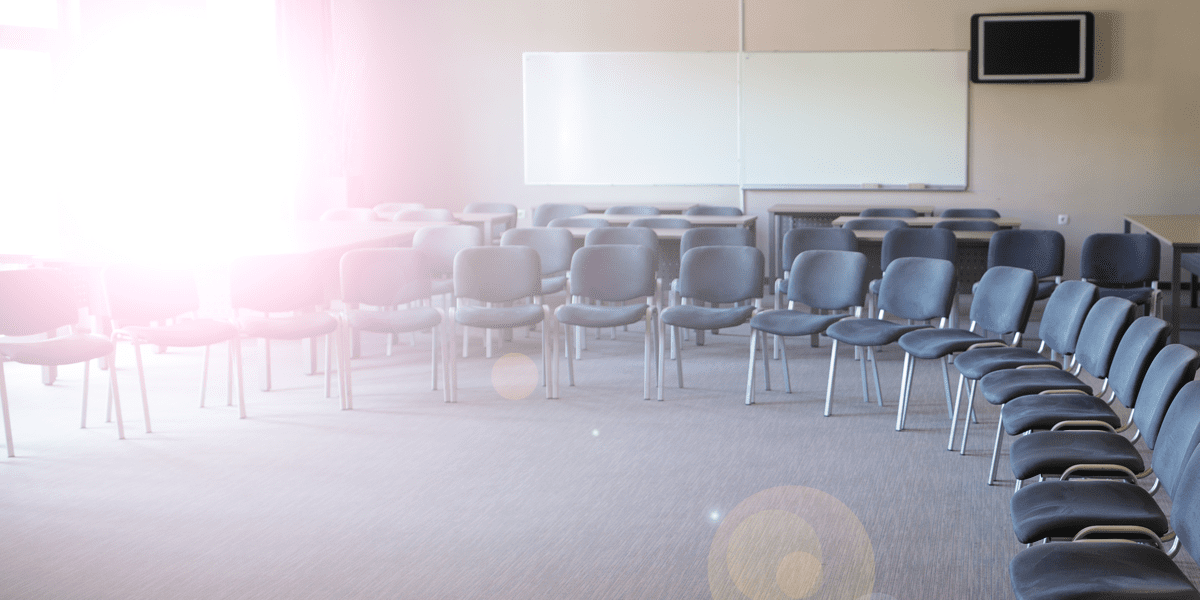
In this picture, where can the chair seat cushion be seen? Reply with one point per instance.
(292, 327)
(999, 387)
(1061, 509)
(869, 332)
(184, 334)
(394, 321)
(1110, 570)
(936, 343)
(499, 317)
(974, 364)
(591, 315)
(64, 350)
(691, 316)
(793, 322)
(1043, 411)
(1053, 452)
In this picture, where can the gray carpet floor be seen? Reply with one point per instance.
(598, 494)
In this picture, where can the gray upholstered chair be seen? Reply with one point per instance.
(438, 244)
(1039, 250)
(824, 280)
(1001, 305)
(874, 224)
(970, 213)
(284, 295)
(145, 305)
(500, 287)
(635, 209)
(616, 275)
(708, 277)
(913, 288)
(886, 211)
(800, 239)
(386, 279)
(1125, 265)
(543, 214)
(35, 301)
(713, 210)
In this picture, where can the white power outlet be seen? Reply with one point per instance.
(520, 213)
(1064, 219)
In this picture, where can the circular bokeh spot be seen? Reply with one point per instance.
(514, 376)
(788, 543)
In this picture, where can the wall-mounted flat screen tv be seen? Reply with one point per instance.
(1032, 47)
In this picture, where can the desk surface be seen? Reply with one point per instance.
(1172, 229)
(876, 235)
(697, 220)
(840, 209)
(1004, 223)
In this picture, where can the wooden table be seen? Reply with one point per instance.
(668, 208)
(1182, 233)
(971, 261)
(747, 221)
(809, 215)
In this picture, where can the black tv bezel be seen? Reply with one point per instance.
(1088, 42)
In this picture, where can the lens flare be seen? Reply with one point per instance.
(514, 376)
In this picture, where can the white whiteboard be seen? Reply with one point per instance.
(849, 119)
(798, 120)
(635, 118)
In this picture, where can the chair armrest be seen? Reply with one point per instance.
(1127, 475)
(1039, 367)
(1087, 424)
(987, 345)
(1132, 530)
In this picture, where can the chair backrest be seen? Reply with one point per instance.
(1180, 430)
(721, 274)
(1174, 366)
(139, 295)
(661, 222)
(349, 214)
(918, 288)
(715, 236)
(801, 239)
(442, 215)
(1064, 314)
(384, 276)
(1004, 299)
(1185, 503)
(714, 210)
(636, 209)
(1106, 322)
(579, 222)
(1140, 344)
(439, 243)
(1039, 250)
(968, 225)
(970, 213)
(638, 236)
(828, 279)
(1120, 259)
(874, 224)
(613, 273)
(543, 214)
(918, 241)
(36, 300)
(275, 283)
(554, 246)
(885, 211)
(497, 273)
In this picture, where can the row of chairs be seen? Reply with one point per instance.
(545, 213)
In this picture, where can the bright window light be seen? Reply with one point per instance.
(28, 218)
(178, 136)
(29, 13)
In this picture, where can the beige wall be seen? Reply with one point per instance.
(439, 120)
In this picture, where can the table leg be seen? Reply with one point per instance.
(1176, 308)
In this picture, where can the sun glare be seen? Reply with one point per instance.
(178, 136)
